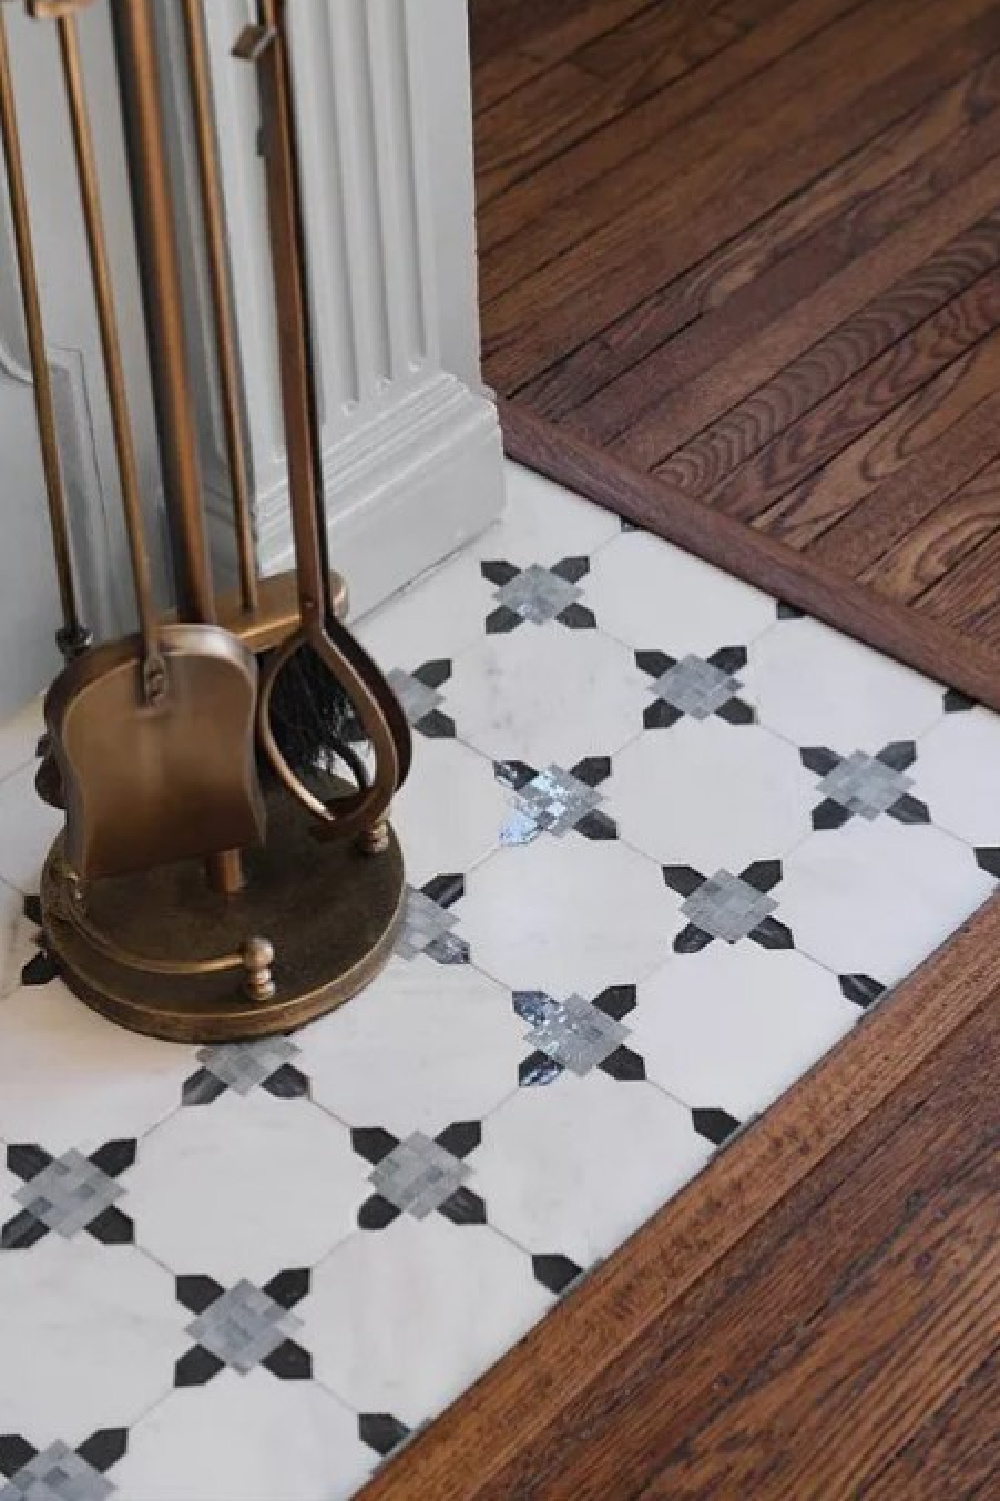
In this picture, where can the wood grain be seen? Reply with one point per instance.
(850, 92)
(925, 449)
(868, 183)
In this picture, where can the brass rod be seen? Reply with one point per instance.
(222, 308)
(74, 636)
(161, 284)
(83, 147)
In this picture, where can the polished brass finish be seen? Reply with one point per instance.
(73, 636)
(276, 615)
(161, 285)
(254, 957)
(153, 683)
(333, 912)
(143, 784)
(378, 712)
(277, 611)
(155, 765)
(222, 313)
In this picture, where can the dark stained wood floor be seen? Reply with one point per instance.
(749, 251)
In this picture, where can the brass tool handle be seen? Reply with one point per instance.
(74, 637)
(154, 673)
(153, 220)
(213, 215)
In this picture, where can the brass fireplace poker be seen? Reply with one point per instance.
(157, 736)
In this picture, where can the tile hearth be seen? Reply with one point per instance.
(667, 842)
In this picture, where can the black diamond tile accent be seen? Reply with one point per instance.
(736, 711)
(373, 1143)
(15, 1452)
(499, 572)
(433, 674)
(289, 1362)
(789, 612)
(624, 1065)
(376, 1213)
(464, 1207)
(104, 1448)
(762, 875)
(577, 617)
(461, 1138)
(572, 569)
(714, 1124)
(956, 702)
(593, 770)
(862, 990)
(41, 969)
(616, 1001)
(557, 1273)
(597, 825)
(683, 879)
(515, 774)
(382, 1432)
(32, 908)
(989, 860)
(771, 934)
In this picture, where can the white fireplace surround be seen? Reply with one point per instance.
(411, 439)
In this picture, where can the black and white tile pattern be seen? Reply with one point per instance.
(668, 841)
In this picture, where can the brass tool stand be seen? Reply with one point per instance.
(164, 950)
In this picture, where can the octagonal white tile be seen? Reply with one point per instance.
(545, 693)
(710, 794)
(245, 1187)
(568, 914)
(245, 1438)
(734, 1027)
(451, 810)
(90, 1337)
(404, 1319)
(437, 615)
(425, 1045)
(543, 522)
(579, 1167)
(653, 596)
(958, 774)
(818, 687)
(877, 898)
(16, 938)
(28, 828)
(19, 738)
(68, 1078)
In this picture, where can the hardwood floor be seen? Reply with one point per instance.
(749, 251)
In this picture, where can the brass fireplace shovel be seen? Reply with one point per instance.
(154, 734)
(376, 706)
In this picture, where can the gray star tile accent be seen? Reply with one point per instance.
(556, 800)
(243, 1327)
(418, 1175)
(696, 687)
(69, 1193)
(576, 1034)
(424, 922)
(416, 698)
(727, 907)
(242, 1066)
(865, 785)
(58, 1473)
(538, 594)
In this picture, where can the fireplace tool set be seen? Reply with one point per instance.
(213, 880)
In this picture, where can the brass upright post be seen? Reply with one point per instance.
(161, 284)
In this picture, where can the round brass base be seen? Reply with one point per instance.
(330, 910)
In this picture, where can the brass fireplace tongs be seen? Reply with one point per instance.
(362, 812)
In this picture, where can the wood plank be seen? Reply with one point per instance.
(925, 449)
(752, 12)
(928, 645)
(666, 230)
(635, 46)
(930, 551)
(848, 256)
(500, 76)
(856, 404)
(744, 260)
(530, 1417)
(558, 202)
(966, 598)
(743, 402)
(955, 1456)
(546, 117)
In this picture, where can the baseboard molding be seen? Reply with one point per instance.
(914, 639)
(402, 492)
